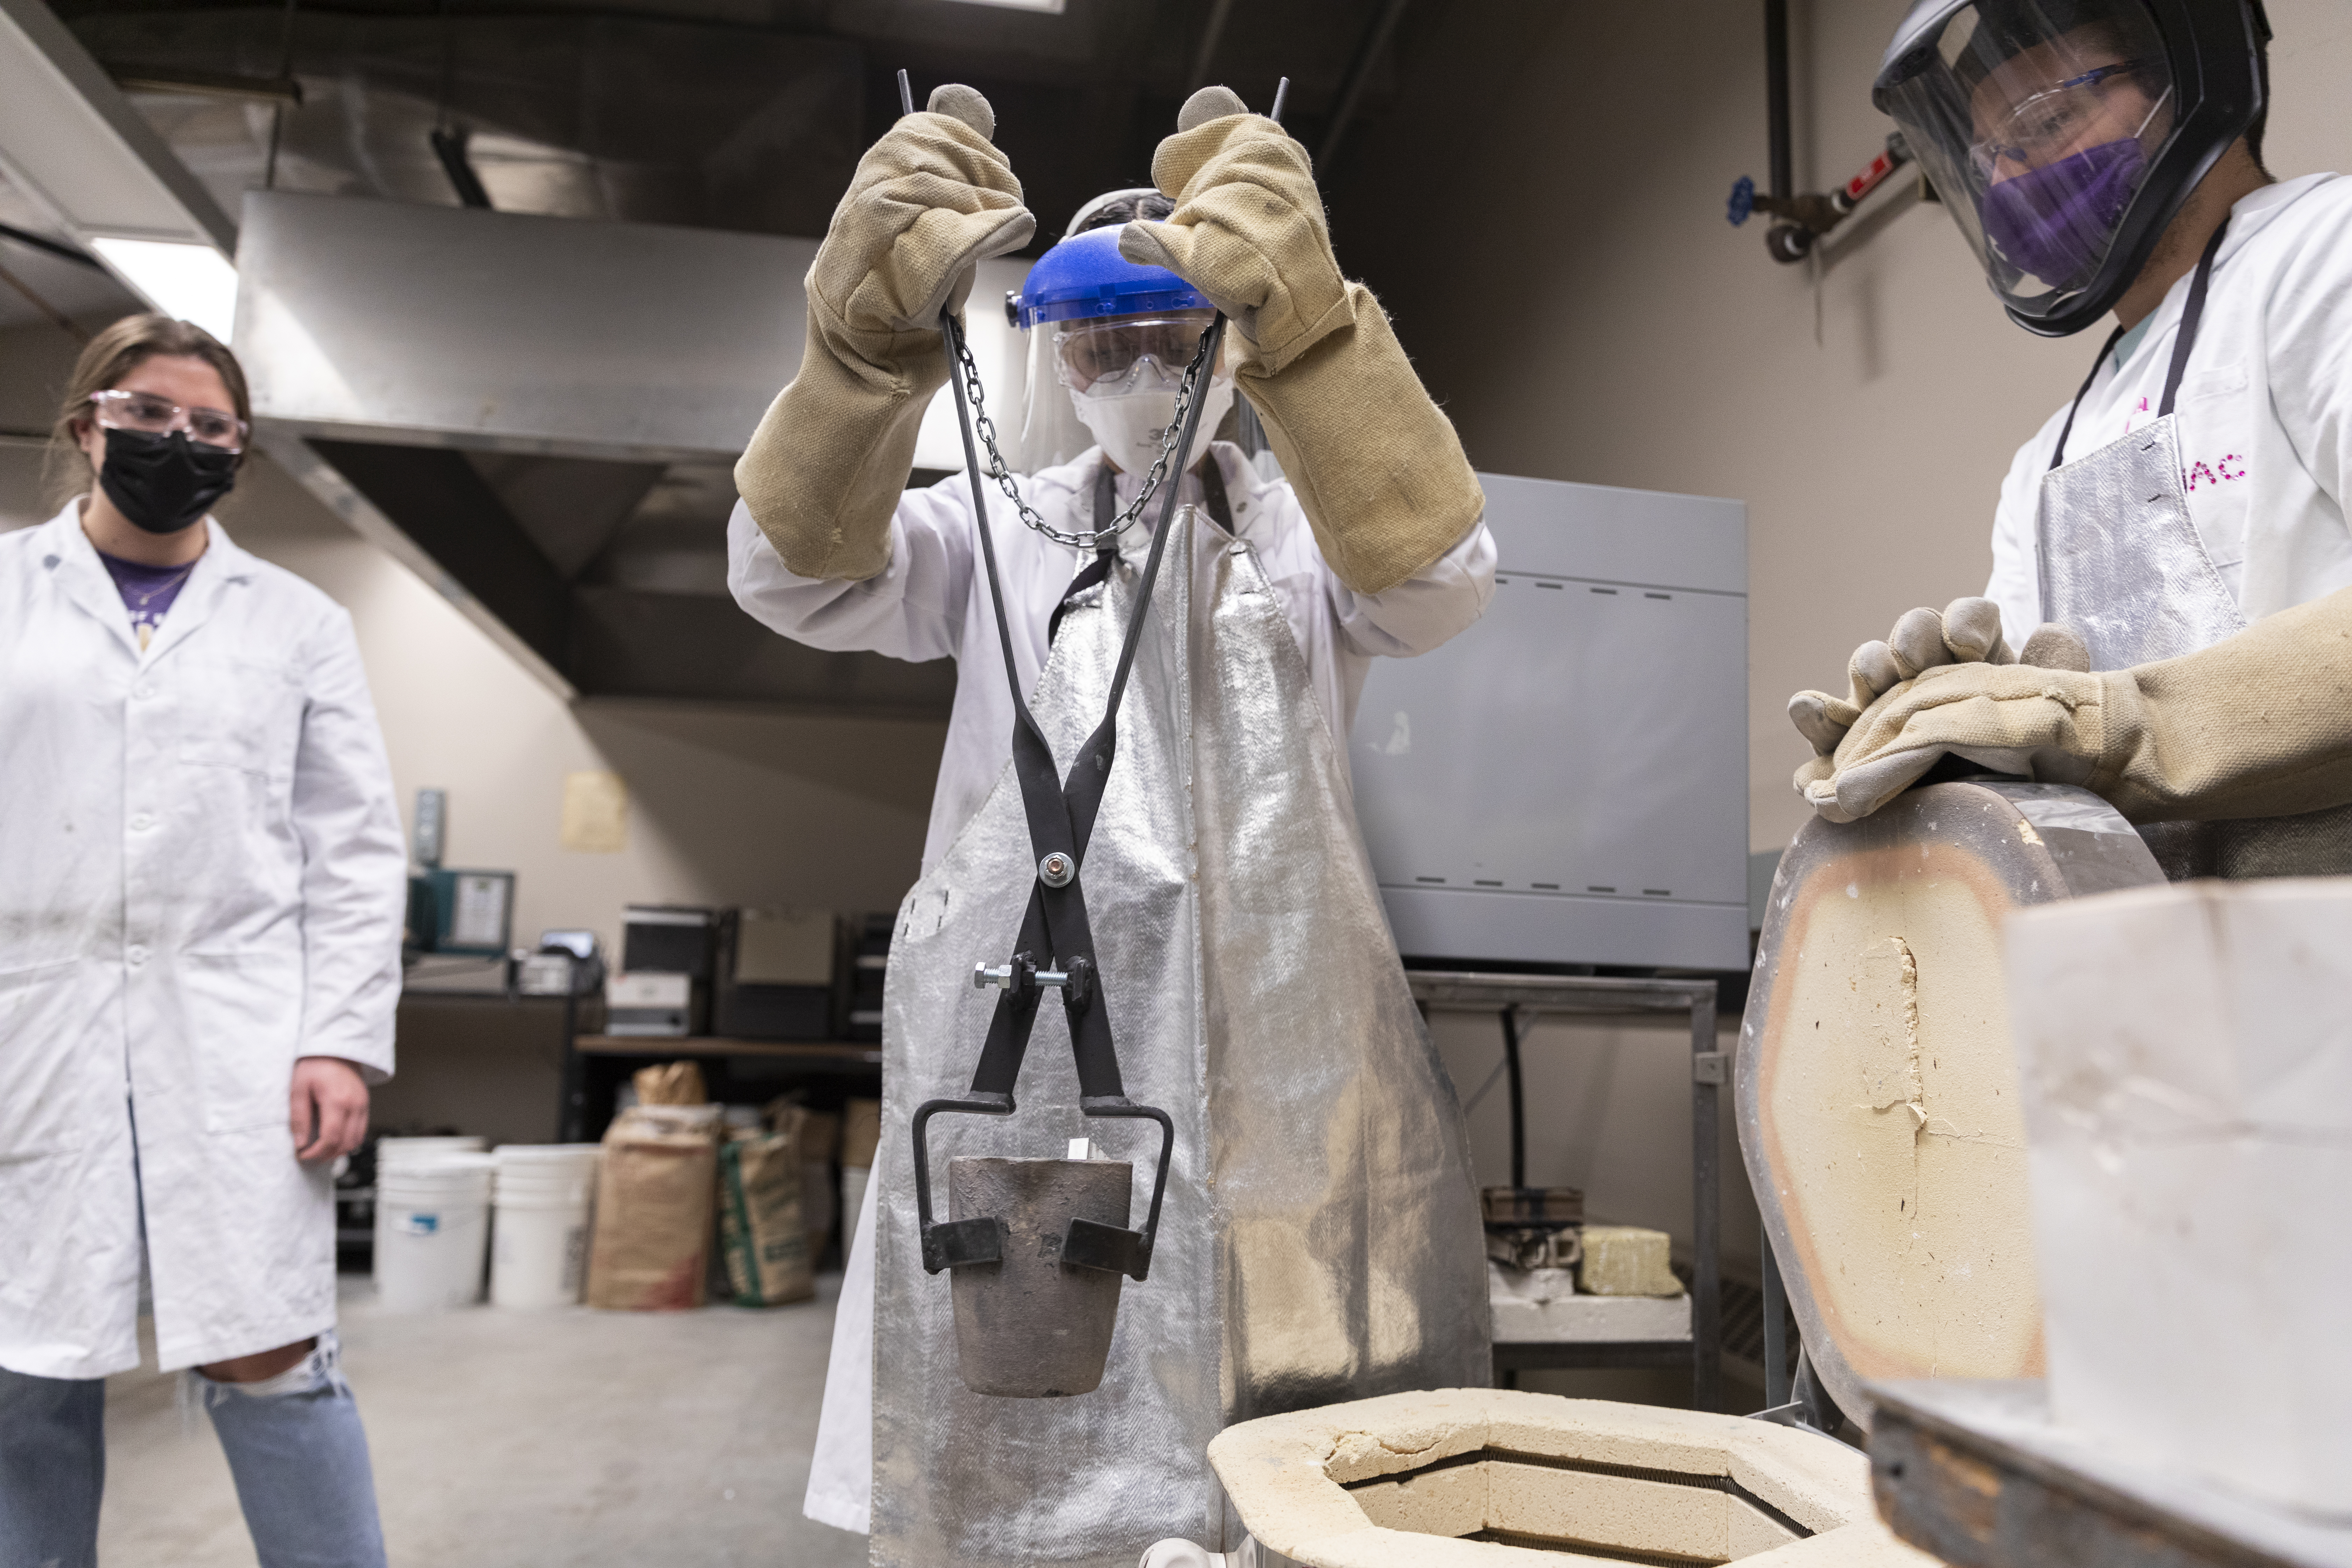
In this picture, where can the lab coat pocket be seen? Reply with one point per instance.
(230, 750)
(2221, 381)
(51, 1087)
(238, 752)
(244, 714)
(244, 1013)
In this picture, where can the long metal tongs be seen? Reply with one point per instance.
(1061, 815)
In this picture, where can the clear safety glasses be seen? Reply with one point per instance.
(1120, 351)
(144, 411)
(2080, 111)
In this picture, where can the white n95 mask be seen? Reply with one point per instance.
(1130, 426)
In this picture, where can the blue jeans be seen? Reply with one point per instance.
(294, 1445)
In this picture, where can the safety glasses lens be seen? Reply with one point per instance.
(144, 411)
(215, 429)
(1111, 352)
(2048, 125)
(140, 412)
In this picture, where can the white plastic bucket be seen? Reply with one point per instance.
(518, 1156)
(539, 1248)
(547, 1172)
(432, 1231)
(404, 1154)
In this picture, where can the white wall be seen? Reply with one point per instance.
(35, 361)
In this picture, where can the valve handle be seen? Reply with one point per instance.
(1743, 200)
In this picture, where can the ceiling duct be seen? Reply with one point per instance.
(640, 120)
(542, 415)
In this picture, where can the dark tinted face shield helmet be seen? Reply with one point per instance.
(2063, 135)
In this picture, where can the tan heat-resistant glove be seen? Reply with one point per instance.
(1967, 632)
(1377, 466)
(2257, 725)
(929, 200)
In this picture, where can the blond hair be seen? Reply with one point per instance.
(108, 357)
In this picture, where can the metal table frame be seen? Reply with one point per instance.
(1521, 998)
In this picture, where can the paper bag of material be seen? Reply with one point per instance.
(820, 1140)
(653, 1187)
(761, 1233)
(670, 1083)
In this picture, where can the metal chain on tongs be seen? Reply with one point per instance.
(1083, 539)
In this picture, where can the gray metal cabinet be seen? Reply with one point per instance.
(1567, 781)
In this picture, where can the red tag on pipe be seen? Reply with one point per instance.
(1876, 169)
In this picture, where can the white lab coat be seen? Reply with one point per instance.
(2265, 411)
(931, 601)
(202, 878)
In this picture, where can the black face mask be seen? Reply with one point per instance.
(163, 483)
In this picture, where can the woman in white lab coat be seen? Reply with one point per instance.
(201, 893)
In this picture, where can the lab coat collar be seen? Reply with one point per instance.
(82, 576)
(2255, 210)
(2253, 213)
(221, 570)
(72, 561)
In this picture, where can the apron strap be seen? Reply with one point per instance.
(1096, 572)
(1212, 491)
(2058, 457)
(2192, 316)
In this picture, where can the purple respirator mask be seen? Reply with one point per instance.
(2057, 221)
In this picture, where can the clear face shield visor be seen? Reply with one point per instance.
(2037, 121)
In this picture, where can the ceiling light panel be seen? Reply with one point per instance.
(193, 282)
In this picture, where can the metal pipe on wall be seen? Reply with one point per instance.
(1776, 94)
(1787, 241)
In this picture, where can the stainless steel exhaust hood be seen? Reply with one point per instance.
(541, 416)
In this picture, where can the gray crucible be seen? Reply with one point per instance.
(1032, 1327)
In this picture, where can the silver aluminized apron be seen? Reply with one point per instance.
(1320, 1239)
(2121, 562)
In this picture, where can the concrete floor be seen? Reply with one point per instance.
(512, 1440)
